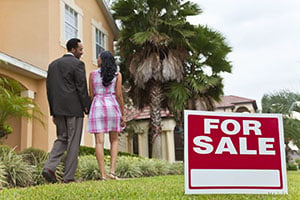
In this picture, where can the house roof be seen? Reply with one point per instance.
(231, 101)
(133, 113)
(104, 8)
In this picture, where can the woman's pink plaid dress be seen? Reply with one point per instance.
(105, 112)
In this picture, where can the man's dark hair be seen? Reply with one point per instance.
(72, 43)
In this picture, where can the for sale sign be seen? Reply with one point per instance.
(234, 153)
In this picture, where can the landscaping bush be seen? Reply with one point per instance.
(84, 150)
(4, 149)
(18, 172)
(127, 167)
(61, 168)
(88, 168)
(147, 167)
(34, 156)
(176, 168)
(292, 166)
(161, 167)
(2, 176)
(298, 162)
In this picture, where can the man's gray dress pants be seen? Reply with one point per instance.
(69, 131)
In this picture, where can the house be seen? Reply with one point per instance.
(236, 104)
(34, 33)
(172, 136)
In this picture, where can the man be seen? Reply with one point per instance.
(68, 99)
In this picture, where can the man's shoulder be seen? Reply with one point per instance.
(67, 59)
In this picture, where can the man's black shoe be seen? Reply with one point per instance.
(49, 175)
(69, 181)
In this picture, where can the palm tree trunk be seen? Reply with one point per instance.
(156, 98)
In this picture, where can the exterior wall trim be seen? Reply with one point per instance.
(23, 65)
(103, 6)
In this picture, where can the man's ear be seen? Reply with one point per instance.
(73, 50)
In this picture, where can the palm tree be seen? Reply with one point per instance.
(209, 52)
(281, 102)
(154, 45)
(13, 105)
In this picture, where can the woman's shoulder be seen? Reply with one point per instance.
(118, 74)
(94, 72)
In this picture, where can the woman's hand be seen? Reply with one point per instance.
(123, 123)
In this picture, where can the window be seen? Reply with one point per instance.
(71, 23)
(100, 42)
(99, 39)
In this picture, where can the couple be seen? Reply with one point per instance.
(68, 99)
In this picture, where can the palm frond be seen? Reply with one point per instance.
(179, 95)
(142, 37)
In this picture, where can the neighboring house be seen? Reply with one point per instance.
(236, 104)
(172, 138)
(34, 33)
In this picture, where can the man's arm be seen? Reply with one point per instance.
(81, 86)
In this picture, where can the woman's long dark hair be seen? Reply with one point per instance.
(108, 68)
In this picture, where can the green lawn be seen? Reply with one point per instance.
(162, 187)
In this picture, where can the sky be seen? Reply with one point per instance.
(265, 40)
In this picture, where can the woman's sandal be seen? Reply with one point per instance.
(113, 176)
(102, 179)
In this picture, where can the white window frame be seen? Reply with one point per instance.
(98, 25)
(78, 10)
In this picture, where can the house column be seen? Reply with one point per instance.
(26, 125)
(171, 146)
(168, 140)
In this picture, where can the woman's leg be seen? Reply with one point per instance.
(99, 138)
(113, 138)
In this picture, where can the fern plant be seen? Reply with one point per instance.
(13, 105)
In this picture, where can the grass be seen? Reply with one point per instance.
(161, 187)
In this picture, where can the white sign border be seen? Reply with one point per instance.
(284, 189)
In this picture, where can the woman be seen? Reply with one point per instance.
(107, 109)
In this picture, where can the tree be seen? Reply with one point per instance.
(154, 44)
(13, 105)
(209, 51)
(281, 102)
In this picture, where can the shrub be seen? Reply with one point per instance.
(88, 168)
(176, 168)
(37, 160)
(292, 166)
(84, 150)
(298, 162)
(34, 156)
(147, 167)
(18, 172)
(4, 149)
(161, 167)
(127, 167)
(61, 168)
(2, 176)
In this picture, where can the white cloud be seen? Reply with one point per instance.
(264, 35)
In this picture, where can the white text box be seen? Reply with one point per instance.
(234, 177)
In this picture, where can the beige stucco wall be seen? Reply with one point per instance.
(24, 30)
(30, 32)
(39, 132)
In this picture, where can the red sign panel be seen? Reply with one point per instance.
(234, 153)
